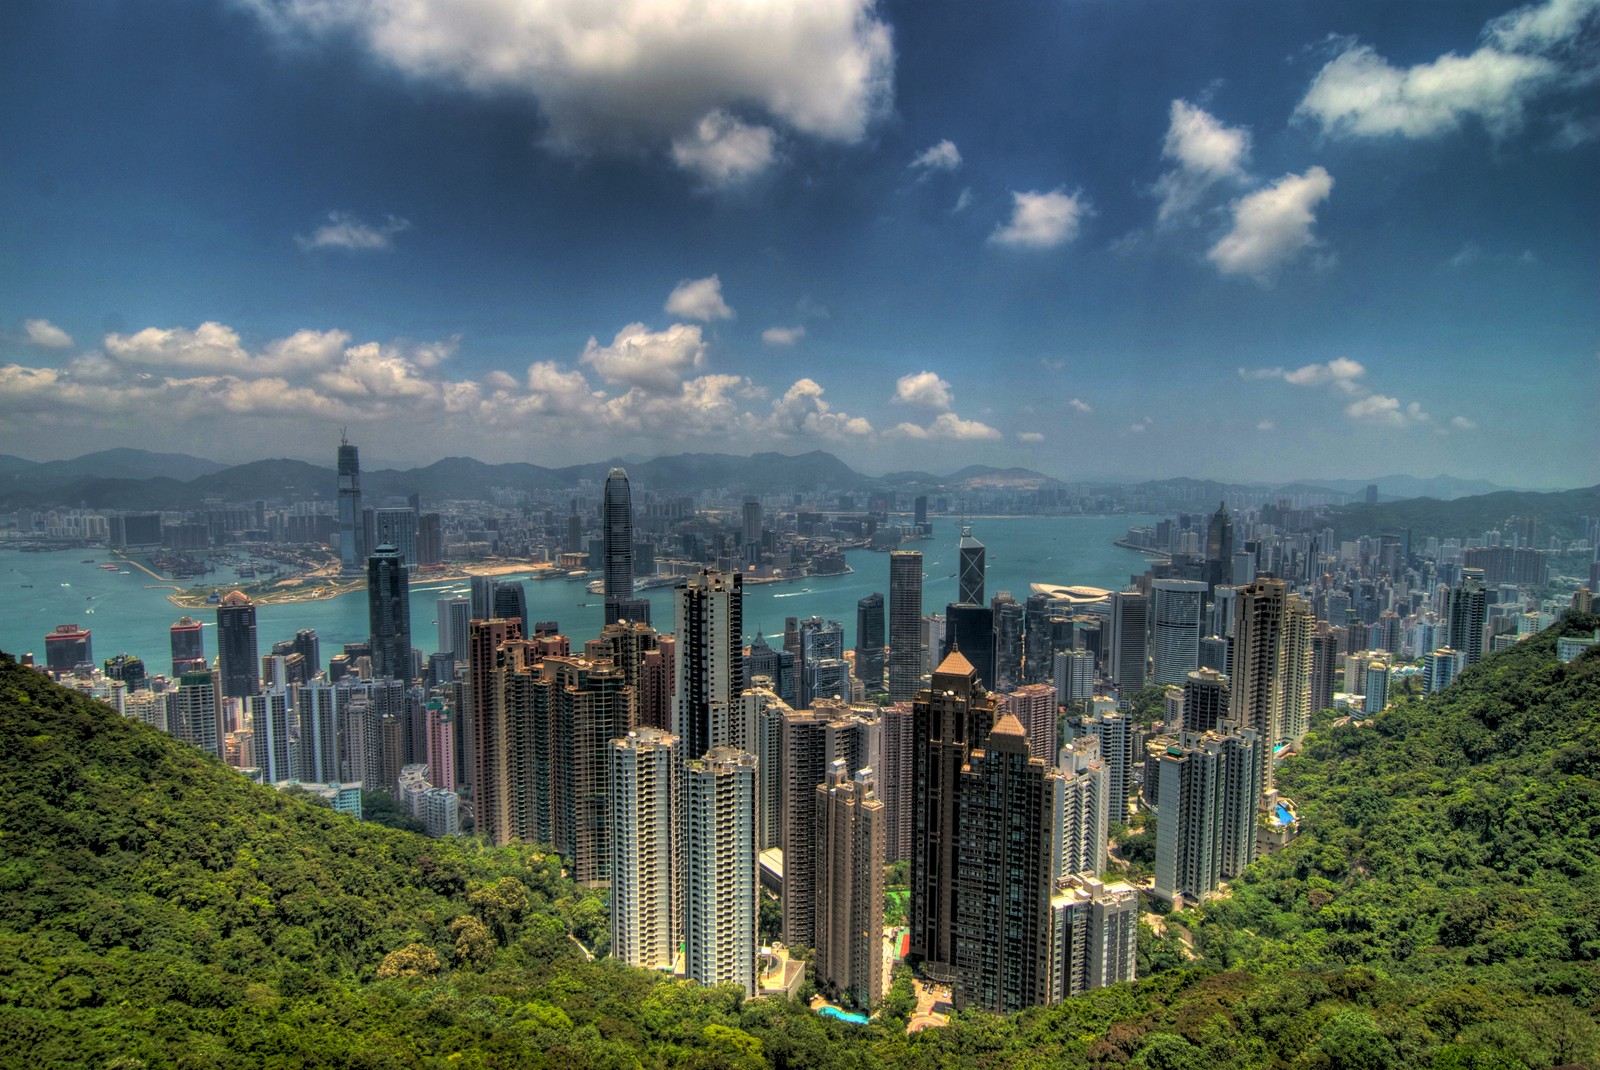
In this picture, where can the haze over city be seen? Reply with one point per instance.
(1226, 240)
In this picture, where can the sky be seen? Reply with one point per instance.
(1104, 240)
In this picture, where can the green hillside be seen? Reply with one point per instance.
(156, 910)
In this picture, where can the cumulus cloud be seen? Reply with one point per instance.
(46, 335)
(723, 151)
(1461, 423)
(1386, 411)
(802, 410)
(650, 360)
(699, 299)
(1358, 93)
(923, 388)
(948, 427)
(1080, 406)
(1042, 220)
(1272, 225)
(941, 157)
(345, 231)
(1342, 372)
(783, 336)
(1204, 152)
(618, 75)
(210, 345)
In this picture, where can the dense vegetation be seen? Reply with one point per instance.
(156, 910)
(1556, 511)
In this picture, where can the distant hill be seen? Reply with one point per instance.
(1556, 511)
(1442, 487)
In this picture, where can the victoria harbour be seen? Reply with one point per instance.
(127, 611)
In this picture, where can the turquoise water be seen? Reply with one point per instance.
(129, 617)
(844, 1016)
(1284, 816)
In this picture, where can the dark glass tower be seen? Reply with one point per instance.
(971, 571)
(869, 642)
(616, 529)
(905, 624)
(351, 545)
(389, 613)
(1219, 547)
(188, 647)
(238, 655)
(511, 601)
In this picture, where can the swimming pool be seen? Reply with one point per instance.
(1284, 816)
(844, 1016)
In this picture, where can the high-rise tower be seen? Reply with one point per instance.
(970, 571)
(389, 613)
(616, 519)
(352, 552)
(1466, 607)
(188, 647)
(238, 655)
(905, 624)
(644, 894)
(1257, 685)
(719, 868)
(849, 886)
(869, 642)
(1219, 546)
(709, 669)
(1177, 609)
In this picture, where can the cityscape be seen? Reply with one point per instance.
(800, 534)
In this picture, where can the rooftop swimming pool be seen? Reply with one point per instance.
(1283, 815)
(844, 1016)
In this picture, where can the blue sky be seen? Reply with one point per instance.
(1127, 240)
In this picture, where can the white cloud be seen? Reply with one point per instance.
(1265, 425)
(1272, 225)
(1360, 94)
(1029, 436)
(963, 201)
(783, 336)
(1080, 406)
(1042, 220)
(620, 74)
(923, 388)
(699, 299)
(210, 345)
(651, 360)
(1205, 152)
(376, 372)
(803, 411)
(1385, 411)
(941, 157)
(949, 427)
(1342, 372)
(724, 151)
(1461, 423)
(46, 335)
(345, 231)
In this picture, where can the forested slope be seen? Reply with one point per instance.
(156, 910)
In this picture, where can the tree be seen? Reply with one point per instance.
(474, 942)
(413, 960)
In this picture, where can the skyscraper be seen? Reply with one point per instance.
(397, 526)
(1007, 615)
(511, 603)
(1210, 793)
(849, 886)
(1130, 612)
(1004, 875)
(238, 656)
(1219, 547)
(193, 712)
(1117, 735)
(1205, 700)
(487, 738)
(454, 615)
(951, 717)
(709, 668)
(188, 646)
(269, 733)
(970, 570)
(616, 516)
(1299, 624)
(869, 642)
(644, 893)
(719, 856)
(970, 629)
(905, 624)
(1466, 608)
(1256, 687)
(389, 613)
(352, 550)
(590, 705)
(1034, 706)
(1176, 614)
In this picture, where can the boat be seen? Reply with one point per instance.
(87, 561)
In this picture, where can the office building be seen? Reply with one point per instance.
(68, 647)
(1130, 621)
(869, 642)
(1007, 615)
(617, 544)
(398, 528)
(389, 613)
(1219, 547)
(238, 656)
(719, 868)
(849, 887)
(352, 547)
(644, 893)
(454, 616)
(511, 603)
(970, 629)
(905, 624)
(970, 568)
(188, 646)
(1177, 611)
(950, 717)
